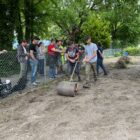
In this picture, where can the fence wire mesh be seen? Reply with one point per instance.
(111, 52)
(10, 71)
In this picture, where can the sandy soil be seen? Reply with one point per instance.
(109, 110)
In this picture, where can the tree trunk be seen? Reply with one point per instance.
(28, 12)
(19, 28)
(7, 24)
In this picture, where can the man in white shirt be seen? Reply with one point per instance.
(90, 60)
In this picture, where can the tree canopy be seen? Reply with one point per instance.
(105, 20)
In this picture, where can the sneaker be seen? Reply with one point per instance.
(95, 80)
(79, 79)
(56, 76)
(34, 84)
(52, 78)
(86, 85)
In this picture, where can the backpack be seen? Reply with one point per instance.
(5, 89)
(21, 84)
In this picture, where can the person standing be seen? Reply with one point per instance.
(52, 59)
(90, 61)
(41, 58)
(58, 57)
(100, 59)
(72, 55)
(62, 59)
(33, 59)
(81, 50)
(22, 56)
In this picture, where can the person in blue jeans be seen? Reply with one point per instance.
(52, 59)
(33, 59)
(100, 59)
(72, 54)
(41, 58)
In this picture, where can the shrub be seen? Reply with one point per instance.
(98, 29)
(118, 54)
(132, 51)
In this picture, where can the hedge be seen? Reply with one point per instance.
(133, 51)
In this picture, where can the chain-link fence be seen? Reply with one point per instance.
(131, 51)
(10, 72)
(112, 52)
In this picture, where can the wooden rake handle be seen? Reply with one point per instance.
(71, 77)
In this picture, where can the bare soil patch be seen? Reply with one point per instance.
(109, 110)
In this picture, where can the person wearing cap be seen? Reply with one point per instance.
(22, 56)
(33, 59)
(90, 61)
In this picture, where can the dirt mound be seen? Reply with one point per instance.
(122, 62)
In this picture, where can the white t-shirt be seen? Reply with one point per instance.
(89, 51)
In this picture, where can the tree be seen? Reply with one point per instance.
(25, 17)
(98, 29)
(37, 17)
(69, 16)
(8, 16)
(123, 16)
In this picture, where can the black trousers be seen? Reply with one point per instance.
(71, 68)
(100, 64)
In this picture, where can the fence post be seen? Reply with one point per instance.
(45, 71)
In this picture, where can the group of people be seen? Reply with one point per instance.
(34, 54)
(91, 55)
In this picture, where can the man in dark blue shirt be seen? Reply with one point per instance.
(100, 59)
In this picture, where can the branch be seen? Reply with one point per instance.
(39, 1)
(62, 27)
(82, 17)
(93, 4)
